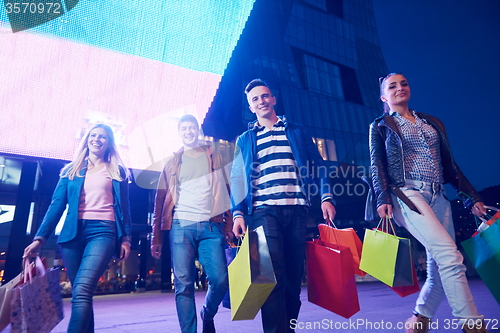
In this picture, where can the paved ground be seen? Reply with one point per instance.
(381, 311)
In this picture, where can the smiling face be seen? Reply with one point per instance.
(189, 133)
(98, 142)
(395, 90)
(262, 102)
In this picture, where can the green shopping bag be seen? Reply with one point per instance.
(386, 256)
(484, 252)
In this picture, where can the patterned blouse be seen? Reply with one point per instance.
(421, 149)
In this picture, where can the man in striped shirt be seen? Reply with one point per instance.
(271, 183)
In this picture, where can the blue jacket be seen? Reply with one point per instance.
(309, 163)
(67, 192)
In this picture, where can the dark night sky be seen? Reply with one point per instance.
(449, 50)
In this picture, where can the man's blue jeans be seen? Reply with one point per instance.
(86, 258)
(433, 228)
(203, 241)
(285, 228)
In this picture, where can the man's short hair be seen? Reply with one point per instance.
(187, 118)
(255, 83)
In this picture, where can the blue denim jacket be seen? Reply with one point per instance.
(67, 192)
(313, 173)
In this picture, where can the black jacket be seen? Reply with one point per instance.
(387, 165)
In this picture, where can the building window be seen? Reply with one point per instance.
(336, 7)
(326, 149)
(318, 3)
(323, 77)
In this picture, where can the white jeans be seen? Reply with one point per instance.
(445, 268)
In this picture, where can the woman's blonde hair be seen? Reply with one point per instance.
(111, 157)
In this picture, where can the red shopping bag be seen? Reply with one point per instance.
(408, 290)
(330, 278)
(345, 237)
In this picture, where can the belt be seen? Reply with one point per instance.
(436, 187)
(397, 192)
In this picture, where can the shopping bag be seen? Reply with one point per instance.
(408, 290)
(36, 305)
(487, 220)
(386, 256)
(251, 276)
(230, 255)
(5, 297)
(345, 237)
(484, 252)
(330, 278)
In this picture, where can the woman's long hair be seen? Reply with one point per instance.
(111, 157)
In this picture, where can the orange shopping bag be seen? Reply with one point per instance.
(344, 237)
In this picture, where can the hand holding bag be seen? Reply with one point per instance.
(36, 305)
(487, 220)
(251, 276)
(386, 256)
(345, 237)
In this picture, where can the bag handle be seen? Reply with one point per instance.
(492, 208)
(389, 222)
(386, 223)
(330, 223)
(28, 269)
(486, 218)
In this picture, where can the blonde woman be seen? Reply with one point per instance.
(97, 225)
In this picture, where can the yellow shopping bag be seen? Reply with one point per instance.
(251, 276)
(386, 256)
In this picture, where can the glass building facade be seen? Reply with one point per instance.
(321, 59)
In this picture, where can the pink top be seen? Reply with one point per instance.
(96, 199)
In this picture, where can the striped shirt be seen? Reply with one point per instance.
(274, 179)
(421, 150)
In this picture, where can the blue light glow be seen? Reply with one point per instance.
(194, 34)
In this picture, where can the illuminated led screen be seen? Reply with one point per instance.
(135, 65)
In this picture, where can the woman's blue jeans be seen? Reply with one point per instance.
(205, 241)
(434, 230)
(86, 258)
